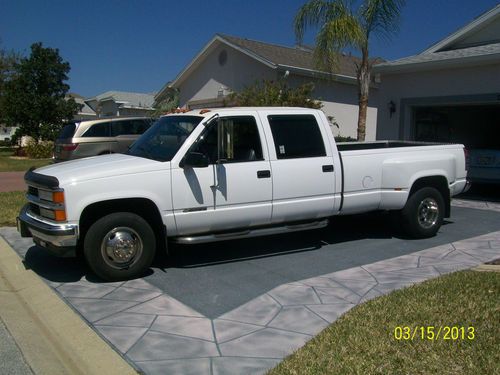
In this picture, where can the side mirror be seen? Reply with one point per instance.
(194, 160)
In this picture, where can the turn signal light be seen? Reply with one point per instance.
(58, 197)
(60, 215)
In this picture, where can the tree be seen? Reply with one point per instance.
(167, 103)
(340, 26)
(272, 93)
(34, 98)
(8, 60)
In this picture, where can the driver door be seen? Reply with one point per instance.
(235, 190)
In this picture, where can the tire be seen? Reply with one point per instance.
(106, 251)
(423, 213)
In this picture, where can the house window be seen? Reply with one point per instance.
(222, 57)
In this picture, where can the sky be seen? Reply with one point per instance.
(139, 45)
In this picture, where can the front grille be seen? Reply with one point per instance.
(35, 209)
(33, 191)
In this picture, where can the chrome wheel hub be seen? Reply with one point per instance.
(428, 213)
(121, 247)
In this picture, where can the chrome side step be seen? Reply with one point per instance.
(248, 233)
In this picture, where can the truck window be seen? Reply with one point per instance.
(237, 137)
(97, 130)
(162, 140)
(296, 136)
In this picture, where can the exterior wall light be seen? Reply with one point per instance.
(391, 106)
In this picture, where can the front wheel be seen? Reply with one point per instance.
(423, 213)
(119, 246)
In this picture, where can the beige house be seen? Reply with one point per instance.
(228, 64)
(449, 92)
(121, 104)
(85, 112)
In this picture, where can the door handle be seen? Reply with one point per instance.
(263, 174)
(327, 168)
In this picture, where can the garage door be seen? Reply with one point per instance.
(476, 126)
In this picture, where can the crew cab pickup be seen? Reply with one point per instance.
(230, 173)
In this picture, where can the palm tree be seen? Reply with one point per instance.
(341, 26)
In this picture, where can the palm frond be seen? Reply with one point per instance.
(336, 35)
(315, 13)
(381, 17)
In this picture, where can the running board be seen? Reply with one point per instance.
(248, 233)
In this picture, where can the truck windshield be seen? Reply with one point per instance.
(162, 140)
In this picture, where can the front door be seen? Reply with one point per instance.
(235, 191)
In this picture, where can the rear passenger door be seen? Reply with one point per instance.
(301, 166)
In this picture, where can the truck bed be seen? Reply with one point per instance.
(352, 146)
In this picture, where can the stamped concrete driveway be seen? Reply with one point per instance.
(241, 306)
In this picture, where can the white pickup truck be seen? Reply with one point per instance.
(231, 173)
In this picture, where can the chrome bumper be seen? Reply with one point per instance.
(57, 238)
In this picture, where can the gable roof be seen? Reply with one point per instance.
(450, 52)
(462, 57)
(297, 57)
(85, 109)
(468, 29)
(125, 99)
(299, 60)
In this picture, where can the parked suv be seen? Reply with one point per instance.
(97, 137)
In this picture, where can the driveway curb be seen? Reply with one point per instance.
(51, 336)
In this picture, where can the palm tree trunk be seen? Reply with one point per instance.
(364, 90)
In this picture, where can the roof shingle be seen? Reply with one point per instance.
(298, 57)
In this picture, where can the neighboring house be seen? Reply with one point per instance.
(6, 132)
(121, 104)
(85, 112)
(448, 93)
(228, 64)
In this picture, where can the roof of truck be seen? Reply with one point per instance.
(208, 112)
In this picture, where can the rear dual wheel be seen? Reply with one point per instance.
(119, 246)
(423, 213)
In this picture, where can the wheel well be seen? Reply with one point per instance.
(140, 206)
(440, 183)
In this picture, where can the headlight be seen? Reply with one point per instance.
(51, 196)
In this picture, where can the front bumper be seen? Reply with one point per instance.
(60, 239)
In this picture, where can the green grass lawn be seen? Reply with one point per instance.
(10, 203)
(362, 341)
(9, 164)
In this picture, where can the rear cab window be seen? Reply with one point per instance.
(296, 136)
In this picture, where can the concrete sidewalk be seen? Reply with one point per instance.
(44, 333)
(11, 358)
(12, 181)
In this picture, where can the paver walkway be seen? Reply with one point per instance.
(160, 334)
(12, 181)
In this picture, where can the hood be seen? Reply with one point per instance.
(96, 167)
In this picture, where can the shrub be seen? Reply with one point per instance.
(40, 150)
(341, 138)
(5, 142)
